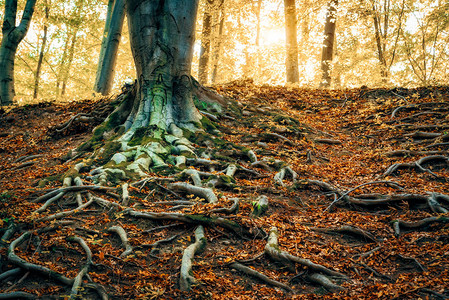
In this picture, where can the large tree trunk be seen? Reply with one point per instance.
(328, 43)
(203, 66)
(162, 33)
(291, 41)
(41, 53)
(12, 36)
(109, 48)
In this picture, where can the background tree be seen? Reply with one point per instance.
(426, 47)
(43, 45)
(328, 43)
(291, 41)
(12, 36)
(203, 66)
(109, 47)
(217, 41)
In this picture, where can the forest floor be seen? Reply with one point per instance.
(334, 141)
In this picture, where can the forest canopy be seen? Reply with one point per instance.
(377, 43)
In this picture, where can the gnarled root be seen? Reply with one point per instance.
(365, 235)
(273, 251)
(200, 219)
(186, 279)
(124, 238)
(14, 259)
(77, 282)
(417, 165)
(205, 193)
(17, 295)
(260, 276)
(398, 224)
(325, 282)
(260, 207)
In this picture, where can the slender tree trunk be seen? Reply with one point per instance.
(105, 37)
(379, 44)
(258, 60)
(12, 36)
(108, 53)
(203, 67)
(291, 41)
(41, 53)
(162, 33)
(71, 51)
(218, 43)
(328, 43)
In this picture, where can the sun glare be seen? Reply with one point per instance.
(272, 36)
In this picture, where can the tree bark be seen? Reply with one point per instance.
(66, 73)
(328, 44)
(41, 52)
(75, 22)
(203, 67)
(162, 33)
(217, 44)
(12, 36)
(291, 41)
(380, 42)
(109, 48)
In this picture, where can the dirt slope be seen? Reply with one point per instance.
(334, 141)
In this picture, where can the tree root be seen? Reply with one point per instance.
(273, 251)
(17, 295)
(279, 177)
(421, 135)
(434, 205)
(81, 117)
(161, 227)
(24, 165)
(328, 141)
(376, 273)
(125, 194)
(414, 260)
(73, 189)
(124, 238)
(387, 199)
(324, 186)
(157, 243)
(260, 276)
(10, 273)
(233, 209)
(260, 206)
(185, 278)
(65, 213)
(414, 106)
(417, 165)
(78, 280)
(437, 145)
(406, 153)
(413, 117)
(14, 259)
(27, 157)
(205, 193)
(200, 219)
(12, 228)
(18, 282)
(79, 198)
(357, 187)
(325, 282)
(398, 224)
(365, 235)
